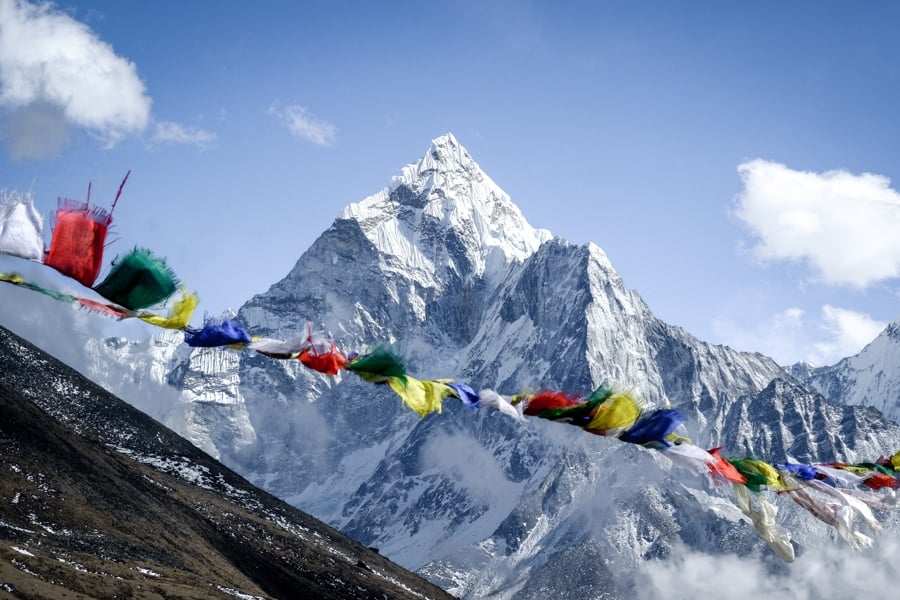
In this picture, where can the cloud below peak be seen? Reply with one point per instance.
(844, 226)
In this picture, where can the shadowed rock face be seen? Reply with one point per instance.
(97, 500)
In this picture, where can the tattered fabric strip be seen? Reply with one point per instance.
(109, 310)
(762, 515)
(16, 279)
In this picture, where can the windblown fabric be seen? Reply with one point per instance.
(138, 280)
(217, 332)
(76, 249)
(179, 315)
(328, 361)
(280, 349)
(424, 397)
(21, 227)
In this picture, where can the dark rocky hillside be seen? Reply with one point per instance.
(97, 500)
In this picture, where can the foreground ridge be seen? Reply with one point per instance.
(99, 500)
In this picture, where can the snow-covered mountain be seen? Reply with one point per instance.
(442, 266)
(870, 378)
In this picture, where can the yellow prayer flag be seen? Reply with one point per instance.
(616, 412)
(773, 477)
(180, 315)
(422, 396)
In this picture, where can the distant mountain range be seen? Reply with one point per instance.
(97, 500)
(442, 267)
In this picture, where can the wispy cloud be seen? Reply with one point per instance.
(792, 335)
(167, 132)
(301, 122)
(55, 70)
(844, 226)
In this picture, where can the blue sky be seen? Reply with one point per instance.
(735, 161)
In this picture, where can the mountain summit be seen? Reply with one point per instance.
(444, 213)
(442, 267)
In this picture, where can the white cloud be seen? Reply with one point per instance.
(822, 571)
(47, 59)
(791, 335)
(848, 332)
(303, 123)
(167, 132)
(843, 225)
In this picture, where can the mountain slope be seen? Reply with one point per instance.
(441, 266)
(98, 500)
(870, 378)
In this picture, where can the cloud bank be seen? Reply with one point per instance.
(844, 226)
(792, 335)
(821, 572)
(301, 122)
(56, 73)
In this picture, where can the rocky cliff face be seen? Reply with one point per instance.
(442, 266)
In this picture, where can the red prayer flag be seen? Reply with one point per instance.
(548, 400)
(723, 469)
(324, 362)
(76, 249)
(880, 480)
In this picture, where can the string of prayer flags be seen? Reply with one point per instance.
(839, 494)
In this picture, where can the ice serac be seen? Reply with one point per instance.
(870, 378)
(442, 267)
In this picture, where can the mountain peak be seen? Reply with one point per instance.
(447, 148)
(442, 195)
